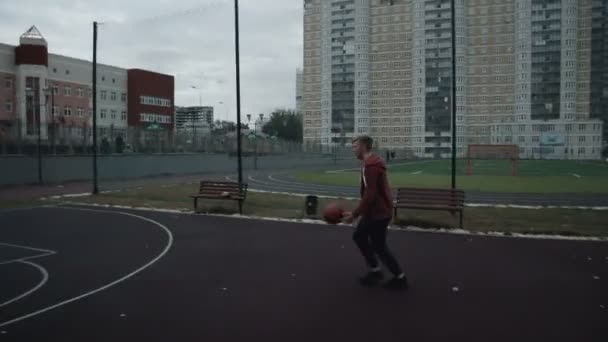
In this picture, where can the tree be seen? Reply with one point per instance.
(284, 124)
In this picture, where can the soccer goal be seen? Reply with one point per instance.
(492, 152)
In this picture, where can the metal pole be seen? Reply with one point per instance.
(95, 185)
(53, 118)
(255, 153)
(453, 94)
(238, 97)
(38, 116)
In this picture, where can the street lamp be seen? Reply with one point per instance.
(255, 133)
(35, 105)
(200, 95)
(50, 91)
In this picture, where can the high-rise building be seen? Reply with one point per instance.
(599, 62)
(299, 90)
(523, 74)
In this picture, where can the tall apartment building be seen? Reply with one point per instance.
(522, 77)
(299, 90)
(54, 92)
(599, 62)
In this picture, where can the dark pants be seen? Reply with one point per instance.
(370, 237)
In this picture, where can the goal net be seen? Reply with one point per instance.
(492, 152)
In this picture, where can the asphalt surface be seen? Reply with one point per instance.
(286, 182)
(175, 277)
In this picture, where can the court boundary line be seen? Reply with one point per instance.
(43, 253)
(346, 226)
(111, 284)
(45, 278)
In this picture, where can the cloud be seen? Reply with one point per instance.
(191, 39)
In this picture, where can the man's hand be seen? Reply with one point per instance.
(348, 217)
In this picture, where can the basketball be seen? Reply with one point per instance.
(332, 213)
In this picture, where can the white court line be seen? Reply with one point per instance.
(45, 278)
(26, 258)
(116, 282)
(47, 251)
(577, 176)
(416, 173)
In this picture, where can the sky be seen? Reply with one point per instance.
(190, 39)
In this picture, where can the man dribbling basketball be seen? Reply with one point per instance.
(375, 211)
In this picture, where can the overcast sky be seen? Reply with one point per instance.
(190, 39)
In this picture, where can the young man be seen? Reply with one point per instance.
(375, 211)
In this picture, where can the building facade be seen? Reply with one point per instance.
(299, 90)
(523, 74)
(187, 118)
(54, 92)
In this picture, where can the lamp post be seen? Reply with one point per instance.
(35, 105)
(255, 137)
(50, 91)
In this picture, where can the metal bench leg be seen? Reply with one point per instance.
(195, 204)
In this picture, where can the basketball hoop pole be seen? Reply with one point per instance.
(453, 94)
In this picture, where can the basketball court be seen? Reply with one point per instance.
(107, 275)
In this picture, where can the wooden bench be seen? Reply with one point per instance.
(451, 200)
(220, 191)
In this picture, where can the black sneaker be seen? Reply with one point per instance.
(397, 284)
(372, 278)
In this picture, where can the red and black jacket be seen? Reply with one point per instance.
(376, 199)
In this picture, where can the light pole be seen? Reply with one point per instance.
(35, 105)
(255, 137)
(200, 95)
(50, 91)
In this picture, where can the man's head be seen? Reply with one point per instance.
(362, 145)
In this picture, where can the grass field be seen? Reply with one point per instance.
(534, 176)
(542, 221)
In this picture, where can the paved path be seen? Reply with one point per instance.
(172, 277)
(286, 182)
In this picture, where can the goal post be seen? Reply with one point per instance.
(496, 152)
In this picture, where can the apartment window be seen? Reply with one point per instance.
(123, 116)
(113, 115)
(55, 90)
(67, 91)
(55, 110)
(581, 150)
(104, 95)
(123, 97)
(67, 72)
(89, 93)
(535, 138)
(582, 127)
(103, 114)
(67, 111)
(8, 106)
(8, 82)
(582, 139)
(79, 92)
(113, 96)
(522, 139)
(80, 111)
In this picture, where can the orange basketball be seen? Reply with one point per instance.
(332, 213)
